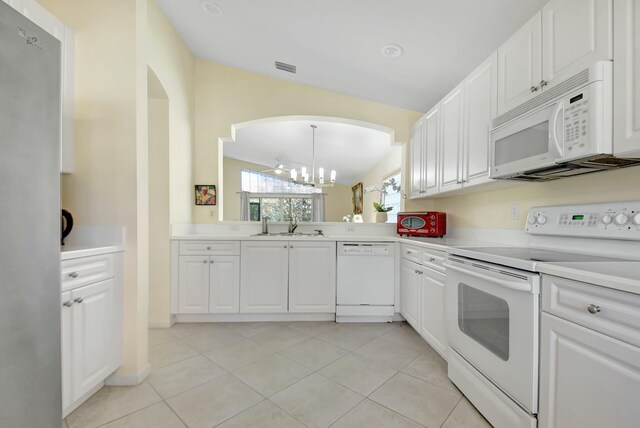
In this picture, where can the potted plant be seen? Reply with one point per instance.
(381, 212)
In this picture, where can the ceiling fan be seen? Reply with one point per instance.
(279, 168)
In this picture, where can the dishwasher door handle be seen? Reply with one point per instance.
(508, 284)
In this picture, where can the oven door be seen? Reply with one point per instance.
(533, 141)
(492, 321)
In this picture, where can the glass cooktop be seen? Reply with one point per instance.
(524, 257)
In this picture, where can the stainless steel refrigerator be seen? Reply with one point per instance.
(30, 379)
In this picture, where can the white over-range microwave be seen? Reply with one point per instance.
(567, 130)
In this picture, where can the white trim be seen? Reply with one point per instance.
(254, 317)
(160, 324)
(128, 379)
(82, 399)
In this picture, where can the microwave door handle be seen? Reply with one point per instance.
(508, 284)
(554, 129)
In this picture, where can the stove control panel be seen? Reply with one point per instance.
(610, 220)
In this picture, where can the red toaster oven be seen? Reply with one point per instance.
(423, 223)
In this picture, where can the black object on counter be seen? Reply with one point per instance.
(66, 224)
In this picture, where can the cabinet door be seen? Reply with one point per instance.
(432, 322)
(312, 277)
(451, 143)
(65, 341)
(264, 277)
(416, 162)
(520, 66)
(587, 379)
(431, 144)
(193, 285)
(224, 284)
(480, 107)
(410, 293)
(92, 323)
(626, 78)
(575, 34)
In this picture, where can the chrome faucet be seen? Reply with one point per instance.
(292, 225)
(265, 226)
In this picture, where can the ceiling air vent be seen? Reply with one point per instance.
(286, 67)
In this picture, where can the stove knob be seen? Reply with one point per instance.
(542, 219)
(606, 219)
(531, 219)
(621, 219)
(636, 219)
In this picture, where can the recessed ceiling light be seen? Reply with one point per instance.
(392, 51)
(211, 8)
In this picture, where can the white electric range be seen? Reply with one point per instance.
(493, 302)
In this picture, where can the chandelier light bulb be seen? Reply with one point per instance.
(333, 176)
(294, 174)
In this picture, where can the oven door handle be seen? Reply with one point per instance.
(508, 284)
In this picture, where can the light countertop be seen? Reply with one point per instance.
(620, 275)
(68, 252)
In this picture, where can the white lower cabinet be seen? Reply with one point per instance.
(432, 321)
(280, 277)
(193, 295)
(588, 380)
(264, 277)
(410, 292)
(422, 291)
(312, 277)
(91, 328)
(224, 284)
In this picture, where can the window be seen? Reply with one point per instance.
(393, 197)
(278, 198)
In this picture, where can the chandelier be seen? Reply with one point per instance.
(304, 177)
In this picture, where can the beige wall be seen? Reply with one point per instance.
(105, 187)
(226, 95)
(337, 198)
(375, 176)
(171, 180)
(492, 209)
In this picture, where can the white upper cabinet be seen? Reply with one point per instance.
(451, 142)
(520, 66)
(41, 17)
(626, 78)
(480, 107)
(431, 145)
(417, 159)
(312, 277)
(575, 34)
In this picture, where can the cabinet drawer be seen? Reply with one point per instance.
(411, 253)
(209, 248)
(434, 259)
(86, 270)
(617, 313)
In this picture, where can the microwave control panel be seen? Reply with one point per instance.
(611, 220)
(576, 122)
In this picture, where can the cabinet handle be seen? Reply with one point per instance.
(208, 247)
(290, 246)
(431, 259)
(74, 274)
(543, 83)
(211, 261)
(205, 261)
(533, 88)
(285, 246)
(593, 309)
(78, 300)
(68, 303)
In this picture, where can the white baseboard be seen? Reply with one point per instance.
(163, 324)
(79, 401)
(253, 317)
(128, 379)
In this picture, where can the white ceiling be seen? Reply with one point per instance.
(351, 150)
(336, 44)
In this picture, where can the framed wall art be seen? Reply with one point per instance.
(205, 194)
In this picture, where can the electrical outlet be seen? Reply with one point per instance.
(212, 213)
(515, 212)
(350, 229)
(235, 228)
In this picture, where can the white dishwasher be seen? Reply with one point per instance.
(366, 282)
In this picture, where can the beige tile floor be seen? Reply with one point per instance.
(285, 375)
